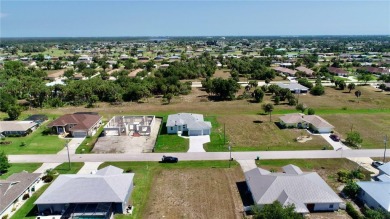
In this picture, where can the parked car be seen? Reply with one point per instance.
(169, 159)
(334, 137)
(377, 163)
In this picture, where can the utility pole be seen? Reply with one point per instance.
(224, 135)
(67, 148)
(230, 157)
(384, 153)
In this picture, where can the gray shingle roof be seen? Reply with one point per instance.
(315, 120)
(299, 187)
(14, 186)
(379, 191)
(193, 121)
(293, 86)
(385, 168)
(107, 185)
(16, 125)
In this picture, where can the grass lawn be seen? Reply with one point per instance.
(372, 127)
(326, 168)
(217, 142)
(35, 143)
(87, 145)
(256, 132)
(19, 167)
(144, 173)
(28, 210)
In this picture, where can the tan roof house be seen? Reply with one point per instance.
(312, 122)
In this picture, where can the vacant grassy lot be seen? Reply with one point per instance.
(193, 193)
(29, 210)
(326, 168)
(35, 143)
(19, 167)
(222, 73)
(372, 127)
(145, 173)
(256, 132)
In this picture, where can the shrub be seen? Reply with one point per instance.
(26, 196)
(5, 216)
(351, 189)
(47, 178)
(310, 111)
(352, 211)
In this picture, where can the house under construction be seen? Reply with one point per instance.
(129, 125)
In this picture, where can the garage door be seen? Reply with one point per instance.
(79, 134)
(194, 132)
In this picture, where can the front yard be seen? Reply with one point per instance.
(37, 142)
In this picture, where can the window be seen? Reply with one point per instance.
(171, 128)
(331, 206)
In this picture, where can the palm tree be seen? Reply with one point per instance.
(268, 108)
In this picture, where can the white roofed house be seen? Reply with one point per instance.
(87, 195)
(17, 128)
(307, 191)
(193, 123)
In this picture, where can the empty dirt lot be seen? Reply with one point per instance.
(195, 193)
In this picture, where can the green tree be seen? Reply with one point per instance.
(353, 138)
(358, 93)
(4, 163)
(14, 112)
(351, 86)
(69, 73)
(275, 211)
(301, 107)
(276, 100)
(258, 94)
(169, 97)
(351, 189)
(365, 77)
(310, 111)
(382, 87)
(268, 108)
(317, 90)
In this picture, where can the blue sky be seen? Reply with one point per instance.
(192, 18)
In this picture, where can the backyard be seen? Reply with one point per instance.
(19, 167)
(146, 174)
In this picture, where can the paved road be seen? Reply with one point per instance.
(197, 156)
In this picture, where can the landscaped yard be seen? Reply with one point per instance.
(29, 210)
(146, 174)
(19, 167)
(35, 143)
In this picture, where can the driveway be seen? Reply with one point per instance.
(73, 144)
(336, 145)
(89, 167)
(247, 165)
(196, 143)
(46, 166)
(365, 162)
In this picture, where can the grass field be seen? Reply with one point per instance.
(87, 145)
(326, 168)
(29, 210)
(145, 172)
(35, 143)
(19, 167)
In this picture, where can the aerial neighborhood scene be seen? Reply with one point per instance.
(194, 109)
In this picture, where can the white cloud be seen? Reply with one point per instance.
(3, 15)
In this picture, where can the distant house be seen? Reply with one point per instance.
(375, 194)
(313, 122)
(193, 123)
(374, 70)
(307, 71)
(97, 195)
(84, 58)
(126, 125)
(78, 125)
(285, 71)
(294, 87)
(19, 128)
(306, 190)
(337, 71)
(14, 188)
(37, 118)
